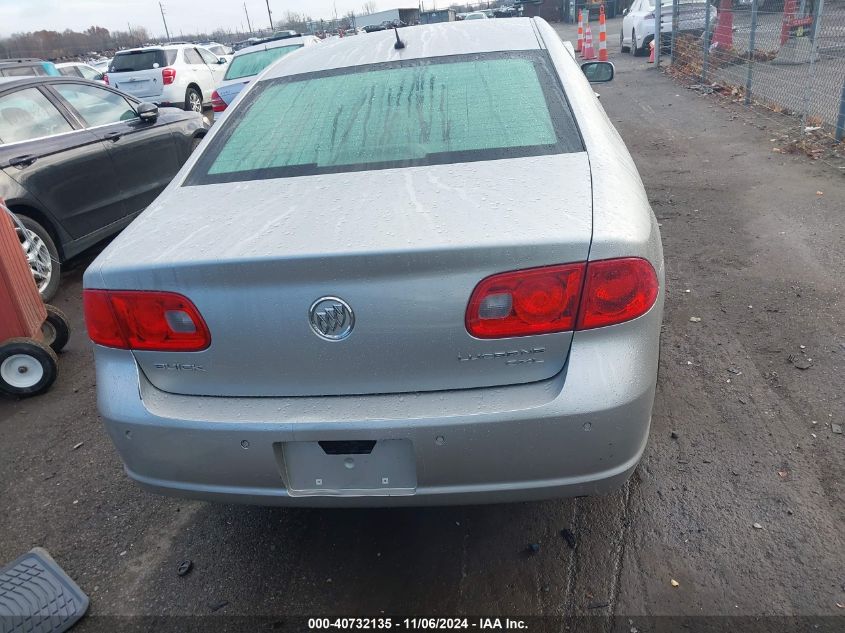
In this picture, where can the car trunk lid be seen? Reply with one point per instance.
(229, 90)
(403, 248)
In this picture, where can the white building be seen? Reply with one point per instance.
(408, 16)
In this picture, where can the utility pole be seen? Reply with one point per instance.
(249, 26)
(163, 19)
(270, 15)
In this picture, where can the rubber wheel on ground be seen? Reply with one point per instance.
(193, 100)
(622, 46)
(56, 329)
(42, 256)
(27, 367)
(636, 52)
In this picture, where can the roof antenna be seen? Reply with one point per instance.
(399, 45)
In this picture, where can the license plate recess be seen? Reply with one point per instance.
(319, 469)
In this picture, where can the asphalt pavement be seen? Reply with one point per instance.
(736, 509)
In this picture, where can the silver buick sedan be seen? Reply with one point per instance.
(399, 272)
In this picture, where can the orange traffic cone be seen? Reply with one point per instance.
(602, 35)
(579, 44)
(589, 51)
(651, 56)
(586, 22)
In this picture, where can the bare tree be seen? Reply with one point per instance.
(368, 8)
(139, 35)
(297, 21)
(71, 44)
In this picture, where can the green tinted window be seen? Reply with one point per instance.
(97, 106)
(424, 112)
(250, 64)
(28, 114)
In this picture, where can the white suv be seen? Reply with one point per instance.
(181, 75)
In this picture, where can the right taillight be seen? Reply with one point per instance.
(217, 103)
(106, 79)
(561, 298)
(615, 291)
(168, 76)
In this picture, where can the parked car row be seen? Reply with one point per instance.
(482, 14)
(384, 26)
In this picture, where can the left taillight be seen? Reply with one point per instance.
(578, 296)
(524, 302)
(217, 103)
(144, 320)
(106, 79)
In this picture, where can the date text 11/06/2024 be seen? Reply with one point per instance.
(429, 624)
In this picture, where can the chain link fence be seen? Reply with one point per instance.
(783, 60)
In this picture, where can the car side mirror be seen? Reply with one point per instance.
(148, 112)
(221, 60)
(598, 72)
(625, 12)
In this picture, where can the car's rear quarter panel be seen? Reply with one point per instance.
(624, 224)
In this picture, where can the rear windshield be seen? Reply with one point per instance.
(250, 64)
(142, 60)
(419, 112)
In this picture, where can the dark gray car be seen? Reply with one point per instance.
(79, 160)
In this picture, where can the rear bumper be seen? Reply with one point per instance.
(580, 433)
(171, 96)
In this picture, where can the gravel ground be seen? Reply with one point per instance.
(742, 437)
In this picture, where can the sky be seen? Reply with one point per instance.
(188, 16)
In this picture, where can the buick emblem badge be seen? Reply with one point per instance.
(331, 318)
